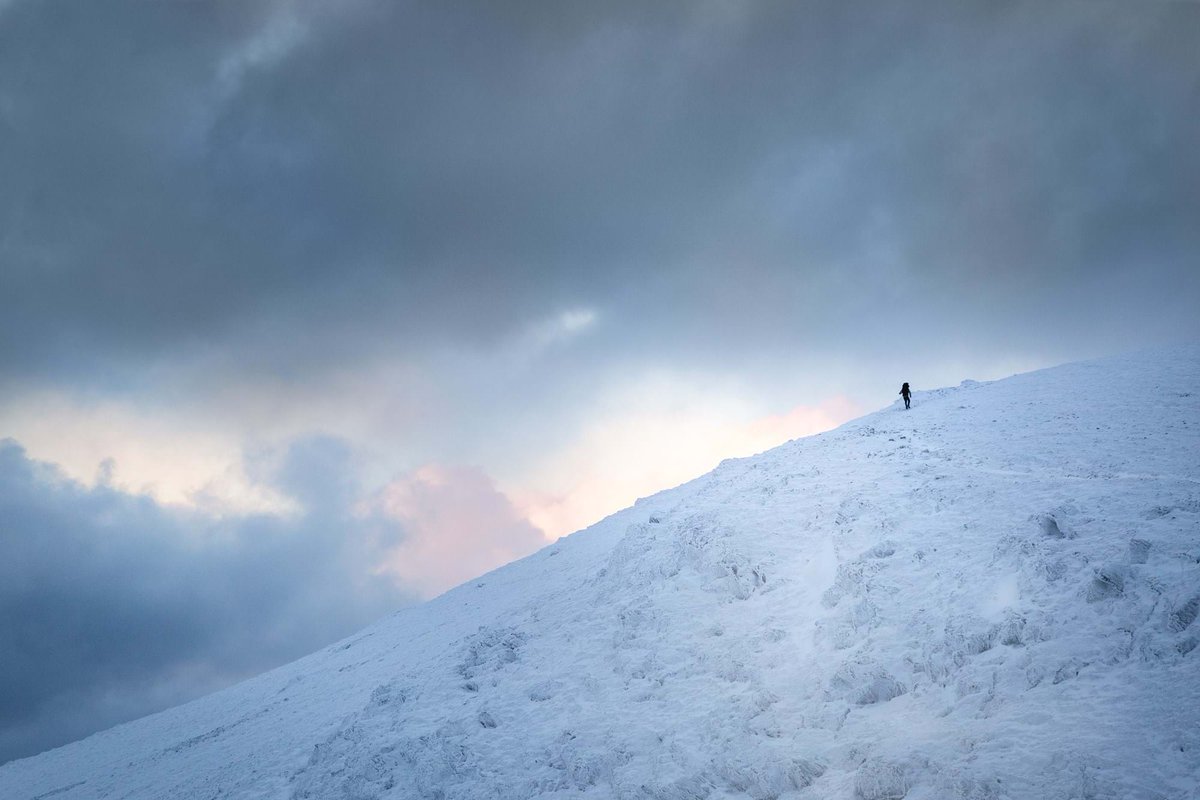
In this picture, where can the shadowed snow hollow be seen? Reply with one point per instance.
(993, 595)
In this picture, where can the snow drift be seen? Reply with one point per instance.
(993, 595)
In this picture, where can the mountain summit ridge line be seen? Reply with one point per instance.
(990, 596)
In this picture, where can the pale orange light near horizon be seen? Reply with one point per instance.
(160, 455)
(456, 521)
(458, 524)
(622, 459)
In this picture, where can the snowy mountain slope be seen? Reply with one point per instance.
(993, 595)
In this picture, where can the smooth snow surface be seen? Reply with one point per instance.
(993, 595)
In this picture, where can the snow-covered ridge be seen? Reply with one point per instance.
(992, 595)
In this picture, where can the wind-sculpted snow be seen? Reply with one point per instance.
(993, 595)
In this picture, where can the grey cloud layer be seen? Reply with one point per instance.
(260, 194)
(114, 606)
(712, 176)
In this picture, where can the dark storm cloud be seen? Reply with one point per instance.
(312, 183)
(114, 606)
(259, 193)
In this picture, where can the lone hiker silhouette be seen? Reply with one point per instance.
(906, 394)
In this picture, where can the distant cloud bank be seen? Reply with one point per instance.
(114, 605)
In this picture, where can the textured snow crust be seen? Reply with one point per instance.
(993, 595)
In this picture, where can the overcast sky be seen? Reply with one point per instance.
(309, 311)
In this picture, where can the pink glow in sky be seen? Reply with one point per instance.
(457, 525)
(620, 459)
(458, 520)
